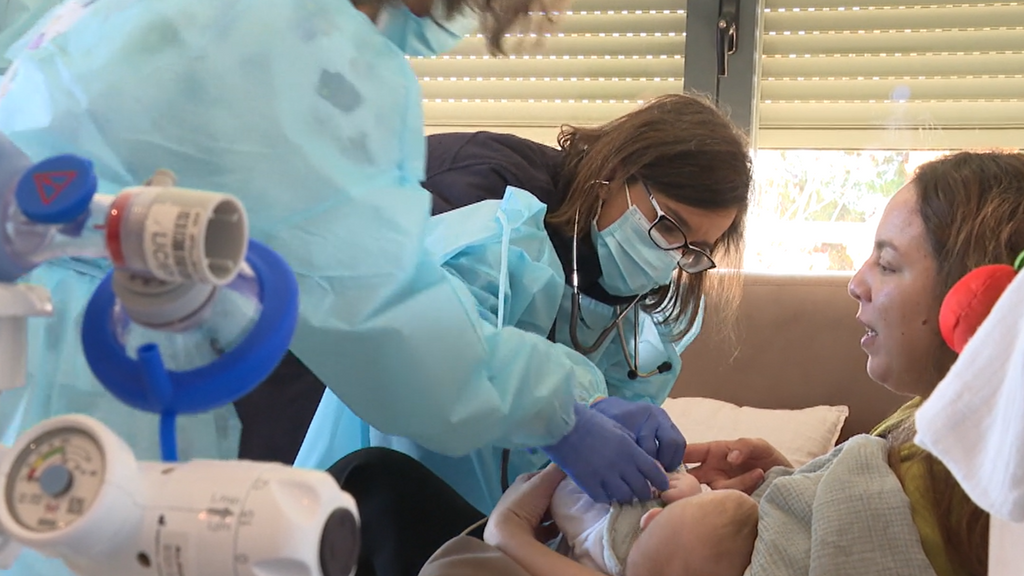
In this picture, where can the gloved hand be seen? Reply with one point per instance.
(652, 426)
(605, 461)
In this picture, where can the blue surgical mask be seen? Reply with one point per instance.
(631, 264)
(424, 36)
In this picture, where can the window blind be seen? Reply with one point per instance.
(891, 74)
(598, 61)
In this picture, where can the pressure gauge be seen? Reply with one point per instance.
(55, 479)
(71, 491)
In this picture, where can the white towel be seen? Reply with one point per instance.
(974, 420)
(1005, 557)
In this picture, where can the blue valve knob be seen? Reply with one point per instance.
(55, 480)
(57, 190)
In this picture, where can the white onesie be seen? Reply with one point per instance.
(582, 522)
(591, 530)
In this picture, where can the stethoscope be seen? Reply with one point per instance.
(616, 325)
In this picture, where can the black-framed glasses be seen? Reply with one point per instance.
(668, 235)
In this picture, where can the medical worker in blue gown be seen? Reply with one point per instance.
(309, 112)
(602, 246)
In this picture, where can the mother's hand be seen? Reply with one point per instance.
(523, 508)
(734, 464)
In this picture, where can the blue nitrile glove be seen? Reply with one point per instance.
(651, 425)
(605, 461)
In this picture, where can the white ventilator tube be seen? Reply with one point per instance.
(72, 489)
(177, 234)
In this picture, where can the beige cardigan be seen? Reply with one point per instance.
(468, 556)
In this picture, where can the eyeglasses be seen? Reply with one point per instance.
(668, 235)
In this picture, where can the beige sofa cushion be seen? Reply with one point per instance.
(797, 345)
(800, 435)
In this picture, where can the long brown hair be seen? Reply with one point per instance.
(972, 206)
(688, 150)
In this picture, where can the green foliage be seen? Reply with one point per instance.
(827, 185)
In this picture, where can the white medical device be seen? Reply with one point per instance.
(18, 303)
(70, 488)
(73, 490)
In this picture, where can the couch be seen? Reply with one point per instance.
(796, 345)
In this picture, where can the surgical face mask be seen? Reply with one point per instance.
(631, 264)
(426, 36)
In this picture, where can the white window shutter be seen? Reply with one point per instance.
(891, 74)
(598, 61)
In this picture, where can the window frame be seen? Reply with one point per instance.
(736, 92)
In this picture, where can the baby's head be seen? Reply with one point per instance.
(707, 534)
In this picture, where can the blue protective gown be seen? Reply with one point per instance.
(16, 18)
(312, 117)
(502, 252)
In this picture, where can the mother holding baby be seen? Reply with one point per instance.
(878, 504)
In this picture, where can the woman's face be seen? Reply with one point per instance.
(897, 289)
(703, 228)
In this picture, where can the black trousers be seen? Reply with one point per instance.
(407, 512)
(276, 415)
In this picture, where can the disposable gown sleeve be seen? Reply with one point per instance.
(320, 135)
(431, 361)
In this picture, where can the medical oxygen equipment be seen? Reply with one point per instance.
(73, 490)
(193, 316)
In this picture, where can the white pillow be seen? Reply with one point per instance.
(801, 435)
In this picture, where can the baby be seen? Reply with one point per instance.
(687, 530)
